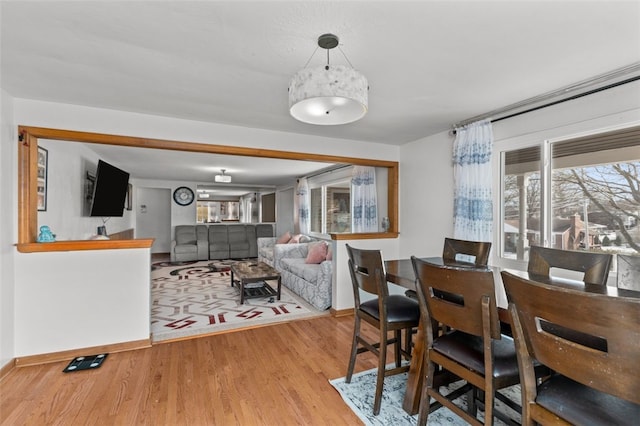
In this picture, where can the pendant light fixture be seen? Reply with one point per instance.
(329, 94)
(223, 178)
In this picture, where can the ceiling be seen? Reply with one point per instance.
(430, 64)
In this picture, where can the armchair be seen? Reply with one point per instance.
(191, 242)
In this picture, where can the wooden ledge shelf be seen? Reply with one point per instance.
(365, 236)
(77, 245)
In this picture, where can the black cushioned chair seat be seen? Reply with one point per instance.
(456, 345)
(399, 309)
(581, 405)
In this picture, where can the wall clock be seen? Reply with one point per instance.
(183, 196)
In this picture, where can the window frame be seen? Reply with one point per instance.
(544, 140)
(323, 181)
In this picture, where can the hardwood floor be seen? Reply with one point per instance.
(275, 375)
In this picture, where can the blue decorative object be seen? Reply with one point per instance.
(46, 236)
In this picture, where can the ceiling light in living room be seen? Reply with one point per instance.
(330, 94)
(222, 178)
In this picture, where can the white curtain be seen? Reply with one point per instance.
(304, 206)
(364, 201)
(473, 203)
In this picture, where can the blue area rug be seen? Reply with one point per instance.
(359, 394)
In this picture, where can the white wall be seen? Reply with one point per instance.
(33, 270)
(342, 291)
(69, 300)
(426, 195)
(180, 215)
(72, 117)
(8, 232)
(66, 214)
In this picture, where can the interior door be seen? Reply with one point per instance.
(153, 217)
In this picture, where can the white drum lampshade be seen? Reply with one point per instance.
(330, 94)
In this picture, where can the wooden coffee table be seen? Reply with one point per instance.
(248, 274)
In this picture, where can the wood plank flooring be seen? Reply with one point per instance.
(275, 375)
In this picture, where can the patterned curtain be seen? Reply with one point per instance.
(364, 200)
(304, 206)
(473, 204)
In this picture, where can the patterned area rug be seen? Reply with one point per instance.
(359, 395)
(191, 298)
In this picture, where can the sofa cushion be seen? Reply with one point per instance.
(266, 252)
(264, 230)
(295, 239)
(239, 245)
(297, 266)
(284, 239)
(186, 248)
(317, 252)
(185, 234)
(305, 239)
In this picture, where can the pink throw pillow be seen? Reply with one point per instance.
(317, 252)
(295, 239)
(284, 239)
(329, 254)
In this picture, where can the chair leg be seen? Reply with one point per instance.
(397, 347)
(382, 362)
(354, 349)
(408, 334)
(472, 398)
(489, 399)
(427, 383)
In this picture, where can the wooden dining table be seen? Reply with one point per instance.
(401, 272)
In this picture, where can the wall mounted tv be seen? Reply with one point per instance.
(110, 191)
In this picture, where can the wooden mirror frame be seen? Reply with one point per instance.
(27, 182)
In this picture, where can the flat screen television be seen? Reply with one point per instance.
(109, 191)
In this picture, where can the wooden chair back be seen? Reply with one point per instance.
(367, 272)
(595, 266)
(453, 296)
(612, 369)
(628, 272)
(478, 249)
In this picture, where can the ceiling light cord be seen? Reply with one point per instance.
(343, 54)
(311, 57)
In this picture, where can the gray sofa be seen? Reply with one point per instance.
(236, 240)
(190, 243)
(218, 241)
(312, 282)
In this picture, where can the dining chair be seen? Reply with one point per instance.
(386, 312)
(476, 252)
(464, 251)
(594, 266)
(590, 385)
(628, 275)
(472, 348)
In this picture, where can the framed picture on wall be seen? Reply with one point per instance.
(129, 197)
(43, 160)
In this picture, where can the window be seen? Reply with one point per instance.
(521, 201)
(218, 211)
(588, 198)
(331, 208)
